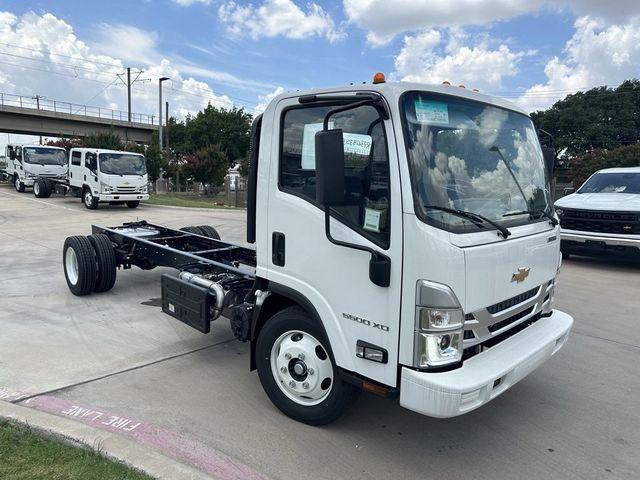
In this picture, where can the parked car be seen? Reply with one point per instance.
(603, 216)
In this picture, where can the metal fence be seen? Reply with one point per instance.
(56, 106)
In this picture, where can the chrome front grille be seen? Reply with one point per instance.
(126, 189)
(490, 325)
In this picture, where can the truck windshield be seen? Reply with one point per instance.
(122, 164)
(476, 158)
(44, 156)
(609, 182)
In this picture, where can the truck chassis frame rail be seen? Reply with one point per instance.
(215, 277)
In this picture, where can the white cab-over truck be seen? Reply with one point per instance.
(603, 216)
(100, 176)
(26, 163)
(405, 244)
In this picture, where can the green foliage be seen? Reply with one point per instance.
(584, 167)
(29, 455)
(229, 129)
(66, 143)
(155, 162)
(208, 165)
(102, 140)
(601, 118)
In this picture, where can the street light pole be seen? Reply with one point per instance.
(162, 79)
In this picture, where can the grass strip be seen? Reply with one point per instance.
(28, 455)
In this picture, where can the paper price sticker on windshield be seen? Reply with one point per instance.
(372, 220)
(356, 143)
(432, 112)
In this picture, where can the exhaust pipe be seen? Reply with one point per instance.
(214, 287)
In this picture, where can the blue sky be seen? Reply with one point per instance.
(240, 54)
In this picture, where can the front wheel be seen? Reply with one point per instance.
(90, 201)
(133, 204)
(297, 370)
(18, 184)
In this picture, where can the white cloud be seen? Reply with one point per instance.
(278, 18)
(40, 54)
(478, 66)
(383, 19)
(596, 55)
(265, 99)
(188, 3)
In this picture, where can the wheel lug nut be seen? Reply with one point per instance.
(283, 369)
(292, 384)
(287, 356)
(311, 371)
(305, 385)
(301, 356)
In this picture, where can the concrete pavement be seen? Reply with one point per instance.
(576, 417)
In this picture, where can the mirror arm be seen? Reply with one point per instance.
(377, 103)
(376, 257)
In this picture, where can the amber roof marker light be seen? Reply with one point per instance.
(379, 78)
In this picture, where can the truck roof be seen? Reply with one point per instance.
(393, 90)
(103, 150)
(32, 145)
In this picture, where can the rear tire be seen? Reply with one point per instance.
(297, 369)
(79, 260)
(42, 188)
(209, 231)
(106, 261)
(133, 204)
(89, 200)
(192, 229)
(18, 184)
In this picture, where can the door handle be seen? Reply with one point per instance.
(278, 244)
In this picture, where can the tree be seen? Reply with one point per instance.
(208, 165)
(601, 118)
(583, 167)
(66, 143)
(102, 140)
(154, 159)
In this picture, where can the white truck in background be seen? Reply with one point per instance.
(26, 163)
(603, 216)
(100, 176)
(405, 244)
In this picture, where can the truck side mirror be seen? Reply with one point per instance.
(330, 168)
(12, 154)
(90, 162)
(549, 155)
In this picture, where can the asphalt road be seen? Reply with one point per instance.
(115, 355)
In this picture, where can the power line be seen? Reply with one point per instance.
(59, 54)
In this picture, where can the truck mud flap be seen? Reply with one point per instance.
(187, 302)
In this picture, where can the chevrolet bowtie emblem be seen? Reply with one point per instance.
(520, 275)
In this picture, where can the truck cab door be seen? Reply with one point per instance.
(90, 171)
(334, 278)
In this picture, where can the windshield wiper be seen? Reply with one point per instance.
(543, 213)
(474, 217)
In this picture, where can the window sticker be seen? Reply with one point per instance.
(372, 220)
(432, 112)
(309, 145)
(357, 143)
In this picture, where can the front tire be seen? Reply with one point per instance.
(192, 229)
(297, 370)
(133, 204)
(89, 200)
(18, 184)
(79, 260)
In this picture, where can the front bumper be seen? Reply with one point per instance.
(583, 239)
(486, 375)
(123, 197)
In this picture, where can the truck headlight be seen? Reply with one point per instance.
(104, 188)
(144, 189)
(438, 336)
(29, 175)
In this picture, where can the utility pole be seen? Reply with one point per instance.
(167, 120)
(160, 80)
(38, 97)
(128, 84)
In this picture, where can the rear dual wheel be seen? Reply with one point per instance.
(204, 230)
(89, 264)
(42, 188)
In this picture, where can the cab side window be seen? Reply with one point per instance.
(366, 170)
(75, 158)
